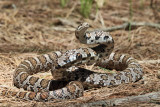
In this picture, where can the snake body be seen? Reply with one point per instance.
(72, 82)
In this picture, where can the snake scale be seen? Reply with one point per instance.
(71, 84)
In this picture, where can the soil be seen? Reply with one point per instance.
(29, 28)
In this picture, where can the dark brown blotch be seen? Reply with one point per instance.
(31, 95)
(33, 80)
(44, 83)
(22, 94)
(44, 96)
(112, 82)
(23, 77)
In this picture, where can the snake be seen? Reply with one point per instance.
(74, 79)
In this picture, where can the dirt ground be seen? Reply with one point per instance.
(29, 28)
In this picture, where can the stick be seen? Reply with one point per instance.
(150, 61)
(133, 24)
(71, 10)
(150, 97)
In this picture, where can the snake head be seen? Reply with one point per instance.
(83, 26)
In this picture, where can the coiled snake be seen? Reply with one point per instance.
(71, 84)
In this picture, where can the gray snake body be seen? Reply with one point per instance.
(71, 84)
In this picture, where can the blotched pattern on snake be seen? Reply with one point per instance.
(71, 83)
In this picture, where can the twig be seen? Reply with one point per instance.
(150, 61)
(101, 19)
(71, 10)
(150, 97)
(151, 3)
(133, 24)
(155, 25)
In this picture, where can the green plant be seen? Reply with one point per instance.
(64, 3)
(142, 4)
(26, 1)
(86, 6)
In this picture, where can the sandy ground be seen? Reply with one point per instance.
(29, 28)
